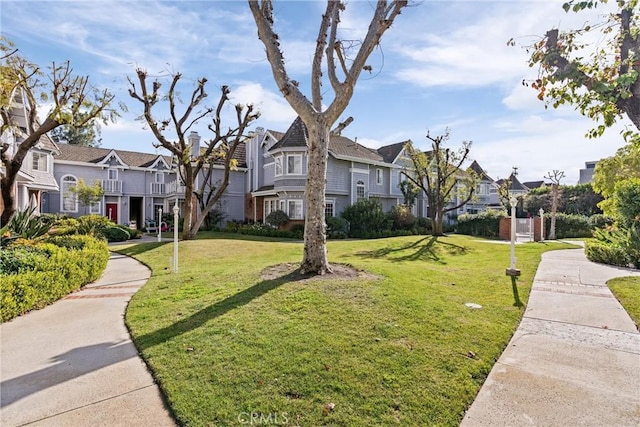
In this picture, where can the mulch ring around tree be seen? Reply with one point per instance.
(292, 272)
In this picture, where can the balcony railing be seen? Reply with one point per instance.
(158, 188)
(175, 188)
(111, 187)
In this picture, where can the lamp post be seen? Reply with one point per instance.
(512, 271)
(541, 212)
(159, 225)
(176, 209)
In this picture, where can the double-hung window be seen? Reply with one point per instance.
(294, 164)
(295, 209)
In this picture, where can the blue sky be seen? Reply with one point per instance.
(442, 64)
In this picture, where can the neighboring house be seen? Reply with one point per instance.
(278, 164)
(35, 179)
(516, 188)
(586, 174)
(535, 184)
(136, 185)
(486, 196)
(278, 167)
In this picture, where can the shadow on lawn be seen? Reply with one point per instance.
(420, 250)
(215, 310)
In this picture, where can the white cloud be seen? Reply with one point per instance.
(274, 109)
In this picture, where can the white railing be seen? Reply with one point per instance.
(158, 188)
(173, 188)
(110, 186)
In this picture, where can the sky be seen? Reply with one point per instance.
(443, 64)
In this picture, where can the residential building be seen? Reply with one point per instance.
(586, 174)
(35, 179)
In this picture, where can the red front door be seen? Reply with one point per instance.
(112, 212)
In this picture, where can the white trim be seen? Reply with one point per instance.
(357, 170)
(110, 154)
(379, 176)
(294, 156)
(63, 196)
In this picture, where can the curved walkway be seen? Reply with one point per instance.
(575, 357)
(73, 363)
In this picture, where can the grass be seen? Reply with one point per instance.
(627, 291)
(401, 348)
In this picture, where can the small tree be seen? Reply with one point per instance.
(439, 174)
(410, 193)
(74, 102)
(504, 196)
(87, 194)
(172, 134)
(555, 177)
(332, 57)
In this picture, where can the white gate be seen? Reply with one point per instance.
(524, 229)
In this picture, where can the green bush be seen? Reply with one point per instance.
(600, 221)
(93, 225)
(485, 224)
(277, 218)
(266, 230)
(78, 260)
(606, 253)
(366, 217)
(134, 233)
(17, 259)
(337, 227)
(401, 218)
(569, 225)
(115, 234)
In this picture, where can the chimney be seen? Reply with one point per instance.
(194, 142)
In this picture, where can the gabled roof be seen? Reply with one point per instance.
(534, 184)
(339, 146)
(48, 144)
(391, 152)
(475, 166)
(516, 185)
(95, 155)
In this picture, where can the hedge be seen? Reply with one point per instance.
(569, 225)
(72, 262)
(606, 253)
(485, 224)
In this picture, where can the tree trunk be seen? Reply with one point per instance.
(6, 185)
(187, 233)
(554, 208)
(315, 236)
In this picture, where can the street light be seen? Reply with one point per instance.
(541, 212)
(159, 225)
(512, 271)
(176, 209)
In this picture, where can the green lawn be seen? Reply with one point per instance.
(401, 348)
(627, 291)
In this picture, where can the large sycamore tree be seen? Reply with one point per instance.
(439, 174)
(601, 81)
(342, 66)
(172, 134)
(24, 87)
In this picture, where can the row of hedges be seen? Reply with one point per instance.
(487, 224)
(615, 246)
(34, 274)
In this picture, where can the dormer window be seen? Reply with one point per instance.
(40, 162)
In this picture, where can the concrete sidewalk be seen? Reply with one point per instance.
(73, 363)
(575, 357)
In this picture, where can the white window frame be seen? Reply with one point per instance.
(297, 206)
(111, 172)
(159, 177)
(278, 165)
(329, 207)
(297, 164)
(39, 161)
(401, 177)
(95, 207)
(360, 186)
(67, 198)
(379, 176)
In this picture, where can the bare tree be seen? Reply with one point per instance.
(555, 177)
(171, 134)
(22, 87)
(330, 54)
(439, 174)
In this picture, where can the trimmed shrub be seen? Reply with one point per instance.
(401, 218)
(366, 218)
(485, 224)
(598, 251)
(115, 234)
(337, 227)
(600, 221)
(93, 225)
(133, 233)
(78, 260)
(277, 218)
(17, 259)
(568, 225)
